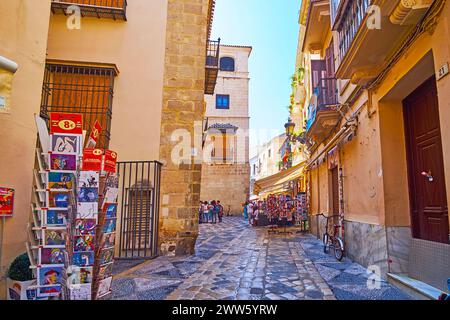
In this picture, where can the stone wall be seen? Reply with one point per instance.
(183, 106)
(227, 183)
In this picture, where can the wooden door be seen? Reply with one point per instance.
(428, 198)
(335, 190)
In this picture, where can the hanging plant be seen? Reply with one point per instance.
(301, 74)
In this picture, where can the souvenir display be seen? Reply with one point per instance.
(106, 236)
(74, 213)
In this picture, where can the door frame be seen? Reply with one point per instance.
(412, 188)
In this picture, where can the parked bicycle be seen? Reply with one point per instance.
(333, 240)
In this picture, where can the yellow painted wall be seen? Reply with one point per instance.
(438, 43)
(374, 163)
(137, 47)
(23, 34)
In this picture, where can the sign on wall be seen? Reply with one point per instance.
(6, 202)
(66, 123)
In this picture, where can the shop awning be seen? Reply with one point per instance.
(276, 183)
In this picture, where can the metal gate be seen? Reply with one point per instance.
(139, 192)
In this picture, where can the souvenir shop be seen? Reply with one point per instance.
(72, 230)
(282, 200)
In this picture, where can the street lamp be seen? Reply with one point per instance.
(289, 126)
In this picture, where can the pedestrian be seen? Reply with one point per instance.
(211, 211)
(249, 211)
(245, 205)
(220, 211)
(205, 212)
(200, 212)
(216, 211)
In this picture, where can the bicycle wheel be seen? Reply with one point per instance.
(338, 249)
(325, 243)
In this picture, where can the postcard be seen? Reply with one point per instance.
(110, 226)
(55, 218)
(83, 259)
(60, 181)
(107, 256)
(87, 195)
(58, 199)
(85, 227)
(111, 195)
(104, 287)
(67, 144)
(63, 162)
(105, 271)
(111, 210)
(80, 292)
(79, 275)
(108, 240)
(49, 276)
(49, 291)
(84, 243)
(87, 210)
(88, 179)
(54, 238)
(51, 256)
(112, 181)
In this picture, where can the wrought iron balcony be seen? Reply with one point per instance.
(323, 117)
(110, 9)
(370, 31)
(212, 65)
(349, 21)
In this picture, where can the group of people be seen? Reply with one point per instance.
(210, 212)
(275, 209)
(251, 211)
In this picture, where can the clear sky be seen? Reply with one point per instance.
(271, 27)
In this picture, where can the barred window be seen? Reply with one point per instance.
(80, 89)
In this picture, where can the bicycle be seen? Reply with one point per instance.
(333, 240)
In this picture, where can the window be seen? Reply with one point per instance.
(79, 89)
(227, 64)
(270, 153)
(223, 101)
(223, 150)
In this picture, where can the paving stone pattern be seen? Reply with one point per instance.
(234, 261)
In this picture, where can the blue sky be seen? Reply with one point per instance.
(271, 27)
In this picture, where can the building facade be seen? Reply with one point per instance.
(377, 98)
(226, 169)
(141, 78)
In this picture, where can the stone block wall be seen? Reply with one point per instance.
(228, 183)
(183, 106)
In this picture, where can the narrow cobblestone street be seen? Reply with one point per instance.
(236, 262)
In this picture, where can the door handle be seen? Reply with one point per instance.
(428, 175)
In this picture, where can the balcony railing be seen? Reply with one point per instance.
(111, 9)
(350, 22)
(325, 96)
(212, 65)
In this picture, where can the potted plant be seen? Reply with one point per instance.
(19, 278)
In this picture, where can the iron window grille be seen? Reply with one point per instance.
(80, 89)
(110, 9)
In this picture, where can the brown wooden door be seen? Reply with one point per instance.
(335, 194)
(429, 210)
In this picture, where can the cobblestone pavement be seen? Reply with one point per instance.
(236, 262)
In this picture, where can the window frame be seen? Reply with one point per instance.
(222, 105)
(227, 58)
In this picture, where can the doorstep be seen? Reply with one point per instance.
(418, 289)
